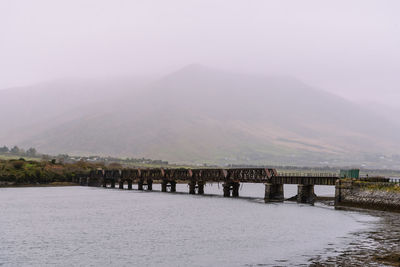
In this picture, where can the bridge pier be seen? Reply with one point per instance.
(121, 184)
(305, 194)
(235, 189)
(200, 187)
(227, 189)
(149, 184)
(192, 187)
(273, 192)
(112, 183)
(104, 183)
(173, 186)
(164, 186)
(140, 185)
(129, 184)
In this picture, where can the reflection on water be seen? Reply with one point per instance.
(70, 226)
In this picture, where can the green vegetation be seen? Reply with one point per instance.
(388, 187)
(22, 172)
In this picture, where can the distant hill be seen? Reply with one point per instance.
(197, 115)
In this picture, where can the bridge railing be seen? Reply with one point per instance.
(296, 174)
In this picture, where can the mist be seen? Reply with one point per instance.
(285, 82)
(346, 47)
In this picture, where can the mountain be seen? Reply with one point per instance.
(198, 114)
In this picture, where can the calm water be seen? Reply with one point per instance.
(83, 226)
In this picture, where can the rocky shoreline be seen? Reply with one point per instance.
(369, 195)
(377, 245)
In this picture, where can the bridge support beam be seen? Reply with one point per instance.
(140, 185)
(149, 184)
(273, 192)
(173, 186)
(164, 186)
(121, 184)
(235, 189)
(192, 187)
(305, 194)
(200, 187)
(129, 184)
(112, 183)
(227, 189)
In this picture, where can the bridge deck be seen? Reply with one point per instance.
(242, 175)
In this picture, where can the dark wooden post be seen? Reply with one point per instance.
(121, 184)
(113, 183)
(129, 184)
(104, 183)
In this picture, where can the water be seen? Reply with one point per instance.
(85, 226)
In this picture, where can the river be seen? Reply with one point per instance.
(87, 226)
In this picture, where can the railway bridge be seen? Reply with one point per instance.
(197, 178)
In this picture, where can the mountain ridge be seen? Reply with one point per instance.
(199, 114)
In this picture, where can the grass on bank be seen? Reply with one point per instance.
(388, 187)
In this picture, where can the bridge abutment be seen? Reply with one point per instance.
(273, 192)
(305, 194)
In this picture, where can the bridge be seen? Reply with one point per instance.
(197, 178)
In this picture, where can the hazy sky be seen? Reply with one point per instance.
(348, 47)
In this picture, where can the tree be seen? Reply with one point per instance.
(31, 152)
(15, 150)
(4, 149)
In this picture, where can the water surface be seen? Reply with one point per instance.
(86, 226)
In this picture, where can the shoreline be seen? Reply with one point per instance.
(376, 245)
(54, 184)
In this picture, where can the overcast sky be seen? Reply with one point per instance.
(348, 47)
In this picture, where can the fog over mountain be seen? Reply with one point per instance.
(279, 81)
(194, 115)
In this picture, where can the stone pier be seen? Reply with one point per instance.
(273, 192)
(305, 194)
